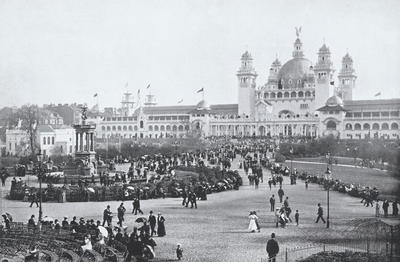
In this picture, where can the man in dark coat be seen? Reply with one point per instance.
(280, 194)
(121, 212)
(152, 222)
(272, 248)
(272, 202)
(320, 214)
(136, 206)
(107, 216)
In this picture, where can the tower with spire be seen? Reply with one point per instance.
(347, 78)
(127, 105)
(273, 72)
(323, 71)
(247, 83)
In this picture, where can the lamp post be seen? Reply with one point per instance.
(328, 178)
(39, 170)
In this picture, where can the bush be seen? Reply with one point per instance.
(279, 158)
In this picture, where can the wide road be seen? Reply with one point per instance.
(217, 230)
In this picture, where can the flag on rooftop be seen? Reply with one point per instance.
(95, 95)
(377, 94)
(148, 86)
(180, 101)
(200, 90)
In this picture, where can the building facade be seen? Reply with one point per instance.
(298, 99)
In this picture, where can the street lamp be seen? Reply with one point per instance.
(328, 178)
(39, 170)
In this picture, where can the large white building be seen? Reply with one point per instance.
(298, 99)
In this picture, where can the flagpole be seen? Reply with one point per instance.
(202, 94)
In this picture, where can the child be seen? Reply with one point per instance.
(296, 217)
(179, 251)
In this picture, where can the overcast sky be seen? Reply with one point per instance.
(66, 51)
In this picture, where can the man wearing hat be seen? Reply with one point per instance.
(152, 222)
(272, 248)
(121, 212)
(73, 223)
(65, 224)
(107, 216)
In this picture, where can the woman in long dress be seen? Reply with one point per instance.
(253, 227)
(161, 226)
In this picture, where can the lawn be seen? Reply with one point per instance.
(387, 184)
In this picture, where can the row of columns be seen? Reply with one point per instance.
(248, 130)
(84, 141)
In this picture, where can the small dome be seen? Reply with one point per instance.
(334, 101)
(276, 63)
(203, 105)
(324, 49)
(347, 59)
(246, 56)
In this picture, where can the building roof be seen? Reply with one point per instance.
(375, 104)
(295, 69)
(222, 109)
(45, 128)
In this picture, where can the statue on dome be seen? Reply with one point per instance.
(298, 31)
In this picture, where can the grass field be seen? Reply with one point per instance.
(387, 184)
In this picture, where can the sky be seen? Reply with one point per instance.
(55, 51)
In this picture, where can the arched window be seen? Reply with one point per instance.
(331, 125)
(187, 127)
(286, 94)
(266, 95)
(279, 95)
(385, 126)
(293, 94)
(155, 128)
(48, 140)
(135, 128)
(124, 128)
(375, 126)
(119, 128)
(290, 81)
(349, 127)
(180, 128)
(103, 128)
(308, 94)
(273, 95)
(168, 128)
(44, 140)
(394, 126)
(300, 94)
(141, 124)
(357, 126)
(130, 128)
(150, 128)
(162, 128)
(174, 128)
(108, 128)
(366, 126)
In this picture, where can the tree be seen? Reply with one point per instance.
(27, 118)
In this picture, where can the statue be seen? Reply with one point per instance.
(84, 112)
(298, 31)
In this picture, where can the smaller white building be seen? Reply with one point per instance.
(51, 141)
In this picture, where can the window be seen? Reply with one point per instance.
(308, 94)
(384, 114)
(135, 128)
(349, 114)
(349, 127)
(394, 126)
(108, 128)
(52, 140)
(357, 114)
(357, 127)
(119, 128)
(385, 126)
(141, 124)
(375, 114)
(272, 95)
(366, 114)
(124, 128)
(44, 140)
(130, 128)
(366, 126)
(286, 95)
(168, 128)
(293, 94)
(279, 95)
(300, 94)
(303, 106)
(180, 128)
(155, 128)
(375, 126)
(48, 140)
(394, 113)
(162, 128)
(331, 125)
(150, 128)
(103, 128)
(114, 128)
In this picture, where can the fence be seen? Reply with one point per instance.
(369, 248)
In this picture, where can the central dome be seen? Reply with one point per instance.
(295, 72)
